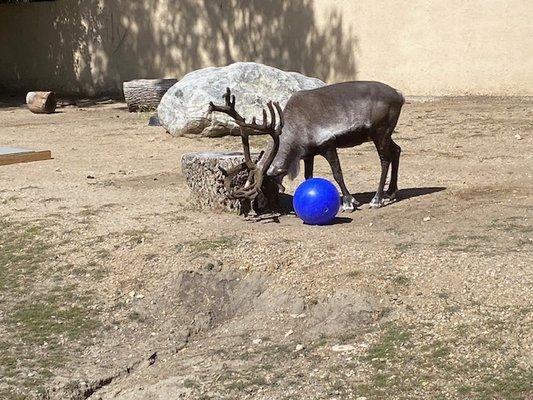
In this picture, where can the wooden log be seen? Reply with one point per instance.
(41, 102)
(206, 181)
(145, 94)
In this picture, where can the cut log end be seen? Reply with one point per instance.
(41, 102)
(206, 180)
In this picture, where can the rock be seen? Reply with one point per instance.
(152, 359)
(288, 333)
(298, 306)
(426, 219)
(299, 347)
(257, 341)
(183, 109)
(518, 136)
(206, 181)
(154, 121)
(298, 315)
(340, 348)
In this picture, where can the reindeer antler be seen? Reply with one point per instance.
(255, 178)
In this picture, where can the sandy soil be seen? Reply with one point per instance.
(112, 286)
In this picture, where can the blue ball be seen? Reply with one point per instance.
(316, 201)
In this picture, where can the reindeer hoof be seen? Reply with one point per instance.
(389, 197)
(385, 200)
(377, 202)
(349, 203)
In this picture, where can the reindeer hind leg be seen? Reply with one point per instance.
(389, 152)
(383, 147)
(392, 190)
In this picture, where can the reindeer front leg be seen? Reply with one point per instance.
(348, 201)
(308, 167)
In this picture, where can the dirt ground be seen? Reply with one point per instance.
(113, 287)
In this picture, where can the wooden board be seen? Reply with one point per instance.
(11, 155)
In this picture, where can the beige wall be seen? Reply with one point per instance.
(432, 47)
(422, 47)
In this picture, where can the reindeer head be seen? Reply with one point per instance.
(256, 173)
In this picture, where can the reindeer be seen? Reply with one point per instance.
(318, 122)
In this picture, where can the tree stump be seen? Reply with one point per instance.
(145, 94)
(41, 102)
(206, 181)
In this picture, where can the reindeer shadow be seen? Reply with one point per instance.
(403, 194)
(286, 207)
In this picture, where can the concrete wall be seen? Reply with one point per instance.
(422, 47)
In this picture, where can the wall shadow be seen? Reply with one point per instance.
(89, 47)
(12, 102)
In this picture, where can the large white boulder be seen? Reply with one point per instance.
(183, 108)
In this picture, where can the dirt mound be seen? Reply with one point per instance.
(207, 302)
